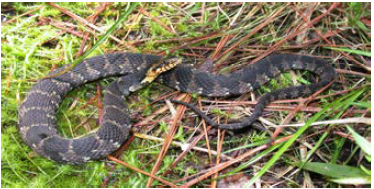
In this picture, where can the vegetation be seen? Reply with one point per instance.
(39, 37)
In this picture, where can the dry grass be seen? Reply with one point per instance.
(171, 146)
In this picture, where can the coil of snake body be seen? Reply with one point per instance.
(37, 120)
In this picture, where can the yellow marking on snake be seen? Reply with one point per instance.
(153, 72)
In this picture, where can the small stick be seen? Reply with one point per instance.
(226, 164)
(141, 171)
(143, 11)
(26, 13)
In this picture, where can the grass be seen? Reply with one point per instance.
(39, 37)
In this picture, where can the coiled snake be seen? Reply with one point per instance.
(37, 122)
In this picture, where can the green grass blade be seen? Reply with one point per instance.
(342, 174)
(327, 110)
(287, 145)
(340, 104)
(254, 159)
(331, 169)
(121, 19)
(361, 141)
(353, 51)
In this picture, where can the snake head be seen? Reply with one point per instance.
(136, 81)
(157, 69)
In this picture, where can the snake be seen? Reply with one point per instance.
(37, 123)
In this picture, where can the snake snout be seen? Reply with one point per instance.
(131, 83)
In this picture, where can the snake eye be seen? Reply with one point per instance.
(43, 136)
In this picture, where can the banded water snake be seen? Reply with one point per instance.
(37, 121)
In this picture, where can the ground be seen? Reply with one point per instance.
(39, 37)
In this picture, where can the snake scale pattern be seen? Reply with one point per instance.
(37, 121)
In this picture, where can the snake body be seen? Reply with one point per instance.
(37, 121)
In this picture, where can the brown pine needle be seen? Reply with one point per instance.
(141, 171)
